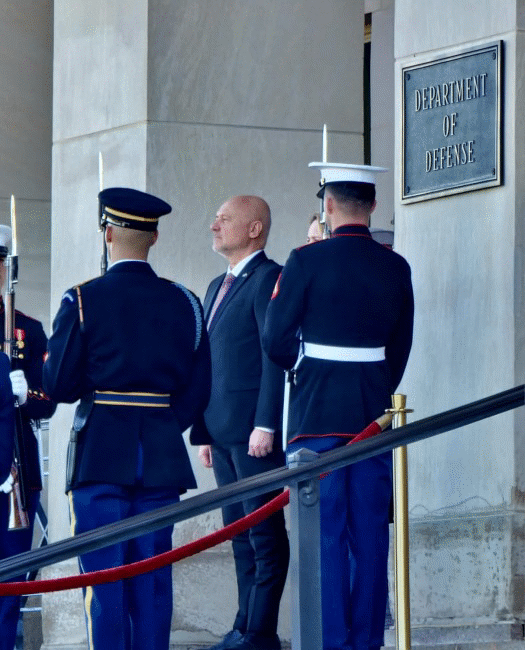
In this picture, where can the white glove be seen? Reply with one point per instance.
(7, 485)
(19, 385)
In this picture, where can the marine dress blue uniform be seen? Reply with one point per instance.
(352, 297)
(133, 347)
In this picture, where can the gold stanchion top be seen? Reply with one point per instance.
(399, 404)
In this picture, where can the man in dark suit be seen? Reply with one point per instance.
(239, 433)
(29, 347)
(345, 304)
(133, 348)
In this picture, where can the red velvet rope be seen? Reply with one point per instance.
(149, 564)
(158, 561)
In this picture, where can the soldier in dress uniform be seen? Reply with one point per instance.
(346, 305)
(134, 349)
(26, 381)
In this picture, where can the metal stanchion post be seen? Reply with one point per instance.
(305, 558)
(401, 551)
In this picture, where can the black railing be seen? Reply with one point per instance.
(260, 484)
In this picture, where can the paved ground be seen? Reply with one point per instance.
(31, 627)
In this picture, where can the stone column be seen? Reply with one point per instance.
(25, 143)
(382, 115)
(466, 253)
(195, 101)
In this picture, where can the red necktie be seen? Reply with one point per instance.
(225, 287)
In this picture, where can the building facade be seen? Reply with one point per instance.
(201, 99)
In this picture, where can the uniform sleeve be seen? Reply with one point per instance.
(284, 315)
(269, 403)
(190, 404)
(7, 419)
(398, 347)
(65, 364)
(38, 405)
(199, 434)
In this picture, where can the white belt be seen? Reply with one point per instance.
(335, 353)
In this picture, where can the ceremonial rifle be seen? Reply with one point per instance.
(322, 218)
(19, 496)
(289, 375)
(104, 258)
(86, 403)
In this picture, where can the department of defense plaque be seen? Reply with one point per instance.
(452, 124)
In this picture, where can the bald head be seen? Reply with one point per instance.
(252, 209)
(241, 227)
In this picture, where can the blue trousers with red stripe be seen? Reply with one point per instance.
(131, 614)
(354, 549)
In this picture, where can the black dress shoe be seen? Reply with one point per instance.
(229, 642)
(254, 641)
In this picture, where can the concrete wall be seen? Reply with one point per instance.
(238, 94)
(194, 101)
(382, 109)
(466, 253)
(25, 143)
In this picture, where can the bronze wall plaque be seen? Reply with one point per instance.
(452, 124)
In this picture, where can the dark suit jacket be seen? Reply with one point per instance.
(247, 388)
(141, 333)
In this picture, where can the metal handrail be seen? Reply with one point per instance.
(261, 483)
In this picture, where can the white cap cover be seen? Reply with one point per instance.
(345, 173)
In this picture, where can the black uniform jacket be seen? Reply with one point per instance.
(347, 291)
(140, 333)
(31, 345)
(7, 420)
(247, 388)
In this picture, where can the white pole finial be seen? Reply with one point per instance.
(100, 172)
(13, 226)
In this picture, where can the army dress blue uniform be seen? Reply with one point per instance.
(31, 345)
(345, 295)
(133, 347)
